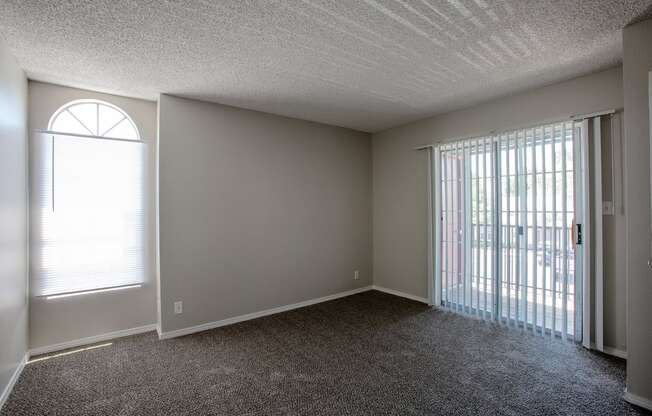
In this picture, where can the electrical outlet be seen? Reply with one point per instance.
(178, 307)
(356, 275)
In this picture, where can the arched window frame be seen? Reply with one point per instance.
(64, 147)
(66, 108)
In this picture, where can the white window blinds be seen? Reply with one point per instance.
(88, 215)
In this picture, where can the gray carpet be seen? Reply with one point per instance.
(371, 353)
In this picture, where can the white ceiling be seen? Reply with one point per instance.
(364, 64)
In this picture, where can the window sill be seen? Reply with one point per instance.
(90, 291)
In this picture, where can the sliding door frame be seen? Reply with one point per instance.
(435, 200)
(493, 147)
(584, 233)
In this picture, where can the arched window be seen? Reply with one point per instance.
(93, 118)
(90, 206)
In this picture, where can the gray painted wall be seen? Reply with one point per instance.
(13, 216)
(399, 182)
(68, 319)
(257, 211)
(637, 62)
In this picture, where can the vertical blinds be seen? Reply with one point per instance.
(88, 215)
(507, 205)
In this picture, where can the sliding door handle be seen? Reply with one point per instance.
(576, 233)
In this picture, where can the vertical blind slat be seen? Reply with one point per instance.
(517, 230)
(535, 242)
(465, 224)
(545, 234)
(565, 234)
(525, 234)
(486, 216)
(554, 279)
(508, 241)
(477, 227)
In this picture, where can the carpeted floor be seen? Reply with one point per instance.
(371, 353)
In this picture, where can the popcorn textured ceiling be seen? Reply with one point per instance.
(363, 64)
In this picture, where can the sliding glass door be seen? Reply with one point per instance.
(507, 238)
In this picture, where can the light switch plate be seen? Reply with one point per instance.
(607, 208)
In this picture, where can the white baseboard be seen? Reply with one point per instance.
(401, 294)
(91, 340)
(229, 321)
(638, 400)
(12, 381)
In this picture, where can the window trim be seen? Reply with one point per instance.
(91, 291)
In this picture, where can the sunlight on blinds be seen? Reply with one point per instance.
(507, 209)
(89, 214)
